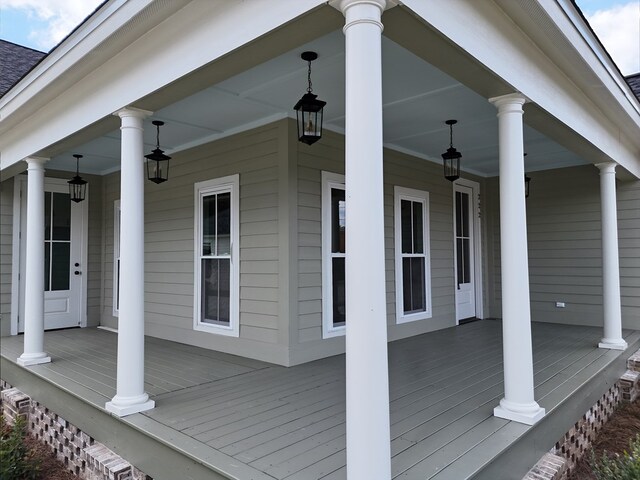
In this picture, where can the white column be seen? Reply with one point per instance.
(130, 395)
(367, 377)
(34, 268)
(518, 403)
(610, 263)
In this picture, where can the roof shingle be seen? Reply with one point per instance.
(15, 62)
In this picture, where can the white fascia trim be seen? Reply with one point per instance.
(89, 35)
(403, 193)
(329, 180)
(551, 88)
(118, 82)
(231, 184)
(598, 51)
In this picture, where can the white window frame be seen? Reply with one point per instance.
(399, 194)
(116, 255)
(215, 186)
(330, 180)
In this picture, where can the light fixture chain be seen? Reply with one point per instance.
(309, 90)
(157, 136)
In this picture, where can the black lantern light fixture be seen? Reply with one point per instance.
(309, 109)
(451, 158)
(527, 182)
(77, 185)
(157, 161)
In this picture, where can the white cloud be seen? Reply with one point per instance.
(618, 28)
(55, 18)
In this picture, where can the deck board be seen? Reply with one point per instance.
(289, 423)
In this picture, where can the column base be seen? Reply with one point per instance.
(27, 359)
(528, 414)
(122, 407)
(613, 344)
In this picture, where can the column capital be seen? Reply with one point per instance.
(607, 167)
(514, 100)
(132, 112)
(36, 163)
(343, 5)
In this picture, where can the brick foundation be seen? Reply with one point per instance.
(563, 457)
(78, 451)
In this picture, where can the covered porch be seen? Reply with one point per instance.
(243, 418)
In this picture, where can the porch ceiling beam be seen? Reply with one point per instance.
(603, 122)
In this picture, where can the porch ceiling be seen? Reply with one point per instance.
(417, 99)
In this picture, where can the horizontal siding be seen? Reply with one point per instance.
(401, 170)
(6, 245)
(565, 248)
(169, 242)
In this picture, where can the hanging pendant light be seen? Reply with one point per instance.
(451, 158)
(77, 185)
(157, 161)
(309, 109)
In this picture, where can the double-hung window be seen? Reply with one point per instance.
(217, 256)
(412, 263)
(333, 255)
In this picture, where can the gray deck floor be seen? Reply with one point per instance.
(290, 422)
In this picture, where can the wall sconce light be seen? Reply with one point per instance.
(77, 185)
(157, 161)
(451, 158)
(309, 109)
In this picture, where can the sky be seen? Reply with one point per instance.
(41, 24)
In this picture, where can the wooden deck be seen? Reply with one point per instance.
(247, 419)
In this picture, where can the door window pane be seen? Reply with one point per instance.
(60, 265)
(47, 266)
(61, 228)
(47, 216)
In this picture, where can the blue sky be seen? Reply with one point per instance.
(41, 24)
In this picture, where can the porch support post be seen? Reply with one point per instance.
(518, 403)
(610, 261)
(367, 401)
(130, 395)
(34, 268)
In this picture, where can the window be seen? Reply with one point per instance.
(217, 256)
(116, 258)
(333, 255)
(412, 263)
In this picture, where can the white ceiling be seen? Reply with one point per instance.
(417, 100)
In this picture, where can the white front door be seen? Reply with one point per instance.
(65, 246)
(464, 251)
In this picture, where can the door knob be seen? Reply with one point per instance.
(76, 272)
(76, 264)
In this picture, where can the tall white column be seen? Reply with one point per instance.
(130, 395)
(610, 263)
(518, 403)
(367, 377)
(34, 268)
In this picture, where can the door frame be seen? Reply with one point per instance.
(477, 244)
(20, 189)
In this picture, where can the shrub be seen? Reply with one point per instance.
(619, 467)
(16, 460)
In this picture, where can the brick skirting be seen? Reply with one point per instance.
(78, 451)
(563, 457)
